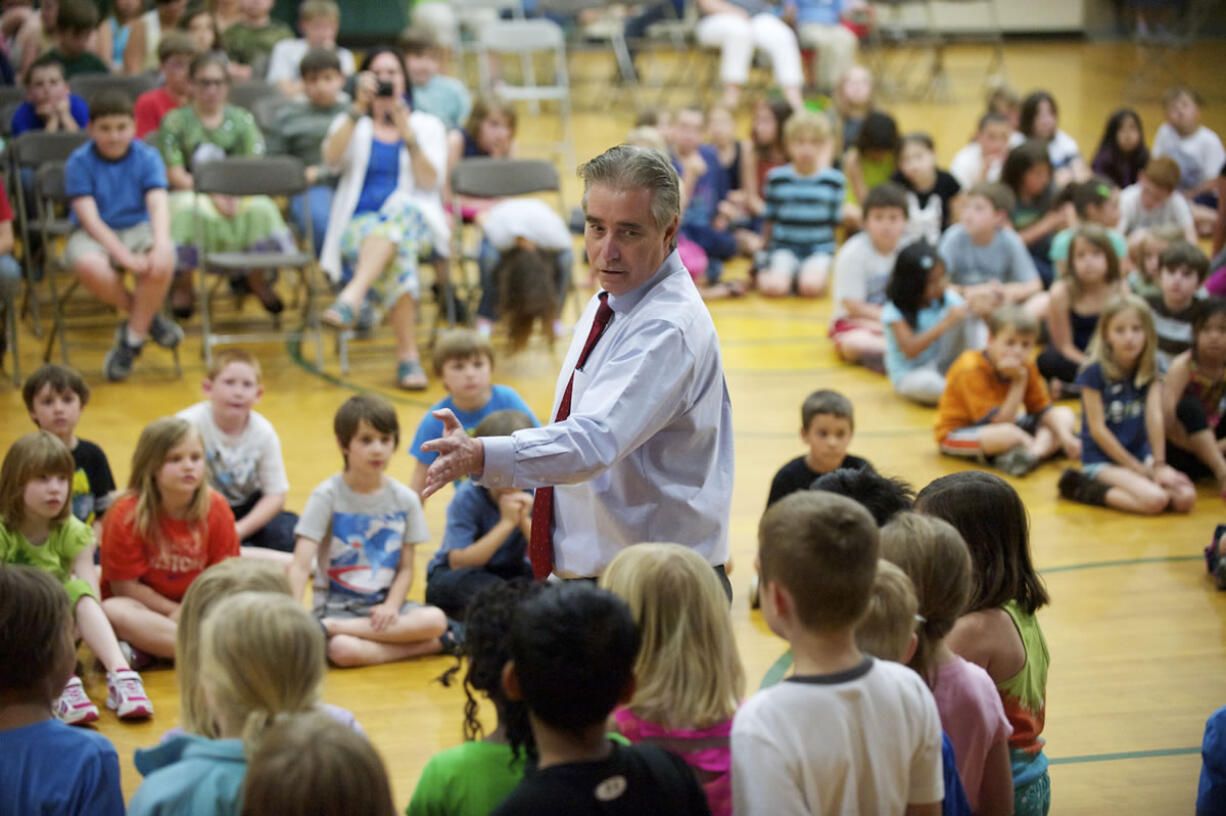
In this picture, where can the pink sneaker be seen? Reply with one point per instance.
(126, 695)
(74, 707)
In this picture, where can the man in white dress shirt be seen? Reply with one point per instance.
(644, 450)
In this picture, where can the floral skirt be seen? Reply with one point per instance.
(403, 225)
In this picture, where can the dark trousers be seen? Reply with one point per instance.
(720, 573)
(1054, 365)
(1191, 415)
(277, 534)
(452, 590)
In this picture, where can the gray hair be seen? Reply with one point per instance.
(627, 167)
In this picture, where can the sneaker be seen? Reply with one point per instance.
(137, 659)
(125, 694)
(453, 639)
(1076, 486)
(1016, 461)
(165, 332)
(118, 362)
(755, 600)
(74, 706)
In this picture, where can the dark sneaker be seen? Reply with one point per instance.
(1076, 486)
(1015, 461)
(165, 332)
(118, 362)
(1219, 574)
(453, 639)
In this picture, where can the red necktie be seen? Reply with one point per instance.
(540, 546)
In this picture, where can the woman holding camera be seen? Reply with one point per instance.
(387, 213)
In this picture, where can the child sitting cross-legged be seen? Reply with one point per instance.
(362, 526)
(827, 421)
(487, 533)
(572, 657)
(804, 200)
(243, 451)
(37, 528)
(1182, 269)
(310, 764)
(1123, 454)
(688, 673)
(1194, 395)
(862, 270)
(1154, 202)
(49, 767)
(261, 662)
(55, 396)
(977, 416)
(464, 361)
(888, 632)
(157, 537)
(1197, 150)
(473, 778)
(934, 556)
(845, 733)
(119, 205)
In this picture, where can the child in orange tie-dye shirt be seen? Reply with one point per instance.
(999, 630)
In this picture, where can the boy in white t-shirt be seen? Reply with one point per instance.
(862, 269)
(983, 158)
(1196, 149)
(319, 20)
(362, 527)
(243, 451)
(845, 733)
(1153, 201)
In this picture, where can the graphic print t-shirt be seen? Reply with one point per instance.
(361, 537)
(92, 482)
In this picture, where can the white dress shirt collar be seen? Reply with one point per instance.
(625, 303)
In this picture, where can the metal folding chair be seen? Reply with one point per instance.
(87, 85)
(276, 176)
(528, 38)
(54, 227)
(247, 94)
(27, 153)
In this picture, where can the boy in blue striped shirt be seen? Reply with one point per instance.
(803, 206)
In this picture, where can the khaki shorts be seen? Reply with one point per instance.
(138, 240)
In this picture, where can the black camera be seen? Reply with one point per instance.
(385, 89)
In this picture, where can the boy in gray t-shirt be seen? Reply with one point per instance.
(361, 526)
(987, 262)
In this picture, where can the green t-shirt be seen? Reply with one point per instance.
(181, 135)
(86, 62)
(300, 129)
(55, 555)
(1060, 244)
(244, 43)
(468, 780)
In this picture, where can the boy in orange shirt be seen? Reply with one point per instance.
(977, 416)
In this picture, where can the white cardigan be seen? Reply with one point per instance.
(431, 136)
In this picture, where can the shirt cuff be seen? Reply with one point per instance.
(499, 461)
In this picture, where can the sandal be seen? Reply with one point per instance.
(411, 376)
(339, 315)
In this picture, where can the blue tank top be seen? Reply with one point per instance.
(119, 40)
(1083, 328)
(382, 173)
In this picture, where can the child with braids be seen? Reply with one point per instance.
(473, 778)
(934, 556)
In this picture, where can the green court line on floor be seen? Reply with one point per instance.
(295, 352)
(1150, 754)
(1124, 562)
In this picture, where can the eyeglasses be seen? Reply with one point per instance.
(210, 83)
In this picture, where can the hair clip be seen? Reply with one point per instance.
(1103, 190)
(925, 261)
(920, 619)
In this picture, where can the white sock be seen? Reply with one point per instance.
(133, 339)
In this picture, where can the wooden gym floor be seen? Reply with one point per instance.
(1136, 630)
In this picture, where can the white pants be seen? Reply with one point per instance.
(836, 51)
(737, 38)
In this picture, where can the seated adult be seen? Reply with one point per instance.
(387, 211)
(737, 27)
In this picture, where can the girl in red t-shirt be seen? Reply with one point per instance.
(160, 535)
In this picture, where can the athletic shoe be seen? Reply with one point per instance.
(165, 332)
(453, 639)
(137, 659)
(1016, 461)
(118, 362)
(74, 707)
(125, 694)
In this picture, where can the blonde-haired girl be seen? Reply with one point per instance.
(1123, 456)
(933, 555)
(160, 535)
(220, 581)
(37, 528)
(688, 672)
(261, 660)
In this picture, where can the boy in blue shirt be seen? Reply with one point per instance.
(49, 106)
(119, 202)
(804, 202)
(486, 536)
(49, 766)
(464, 361)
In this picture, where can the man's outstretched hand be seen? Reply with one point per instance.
(458, 454)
